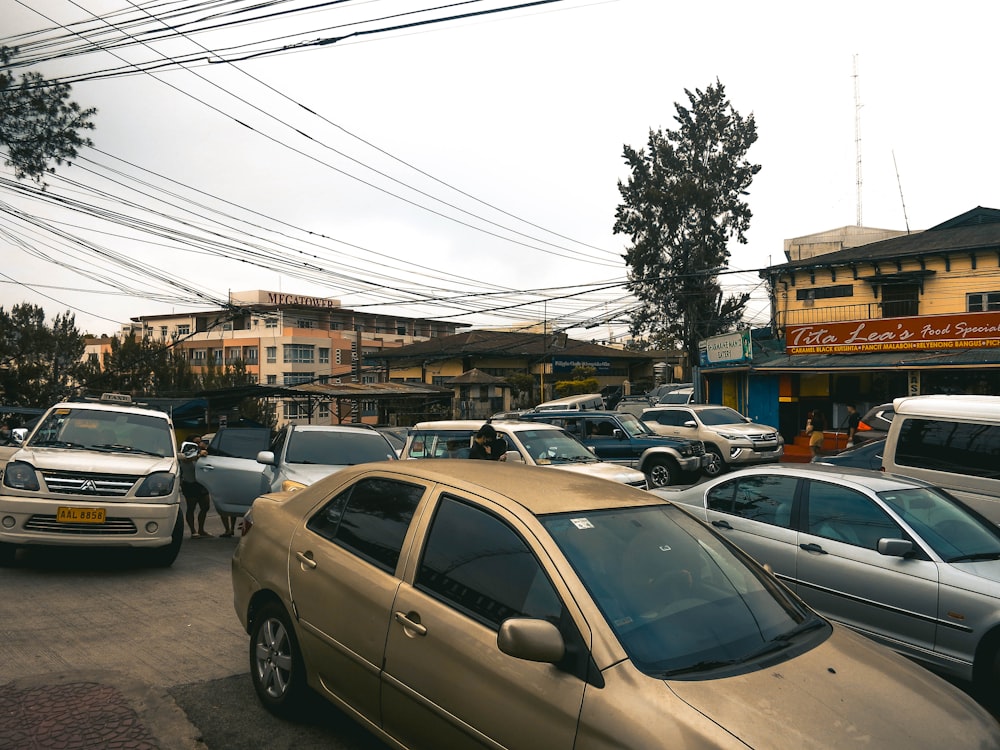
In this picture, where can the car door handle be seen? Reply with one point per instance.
(722, 525)
(411, 625)
(813, 547)
(305, 559)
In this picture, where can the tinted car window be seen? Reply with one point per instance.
(670, 417)
(957, 447)
(325, 447)
(370, 518)
(477, 563)
(763, 497)
(239, 443)
(844, 515)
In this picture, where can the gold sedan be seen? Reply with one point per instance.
(466, 604)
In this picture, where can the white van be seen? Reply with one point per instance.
(952, 442)
(584, 402)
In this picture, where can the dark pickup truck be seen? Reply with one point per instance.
(621, 438)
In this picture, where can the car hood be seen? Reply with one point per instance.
(742, 428)
(98, 462)
(604, 470)
(308, 473)
(846, 692)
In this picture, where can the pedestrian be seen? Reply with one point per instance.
(853, 420)
(5, 434)
(195, 494)
(486, 445)
(815, 427)
(228, 519)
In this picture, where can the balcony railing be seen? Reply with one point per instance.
(865, 311)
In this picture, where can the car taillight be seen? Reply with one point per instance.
(862, 427)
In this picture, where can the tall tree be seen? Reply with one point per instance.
(39, 364)
(682, 205)
(38, 122)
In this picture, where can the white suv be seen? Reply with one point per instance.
(730, 438)
(95, 474)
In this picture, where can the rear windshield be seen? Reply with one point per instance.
(337, 448)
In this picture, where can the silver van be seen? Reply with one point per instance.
(950, 441)
(583, 402)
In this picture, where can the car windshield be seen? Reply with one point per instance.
(633, 425)
(681, 601)
(953, 531)
(554, 447)
(440, 443)
(106, 431)
(722, 415)
(337, 448)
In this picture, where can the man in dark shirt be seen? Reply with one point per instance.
(486, 445)
(853, 419)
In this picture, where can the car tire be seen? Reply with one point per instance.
(276, 667)
(7, 554)
(163, 557)
(986, 674)
(715, 465)
(661, 472)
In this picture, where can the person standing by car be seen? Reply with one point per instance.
(815, 427)
(486, 446)
(195, 495)
(853, 420)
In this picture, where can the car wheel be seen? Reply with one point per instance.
(986, 676)
(279, 676)
(163, 557)
(7, 554)
(715, 464)
(661, 472)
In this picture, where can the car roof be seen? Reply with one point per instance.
(474, 424)
(877, 481)
(953, 406)
(112, 407)
(331, 428)
(539, 490)
(576, 413)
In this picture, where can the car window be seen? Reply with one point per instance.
(950, 529)
(957, 447)
(335, 447)
(759, 497)
(370, 518)
(670, 417)
(239, 443)
(721, 415)
(478, 564)
(845, 515)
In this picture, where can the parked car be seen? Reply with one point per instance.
(585, 401)
(893, 557)
(865, 456)
(874, 424)
(677, 396)
(620, 438)
(461, 604)
(731, 440)
(532, 443)
(396, 436)
(633, 405)
(296, 457)
(95, 474)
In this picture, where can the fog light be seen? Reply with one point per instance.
(151, 527)
(8, 522)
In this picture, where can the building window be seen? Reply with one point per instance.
(305, 323)
(198, 355)
(272, 379)
(324, 410)
(296, 378)
(217, 356)
(300, 353)
(400, 330)
(163, 332)
(824, 292)
(271, 321)
(983, 301)
(183, 330)
(295, 410)
(324, 356)
(900, 300)
(250, 354)
(94, 358)
(272, 354)
(233, 354)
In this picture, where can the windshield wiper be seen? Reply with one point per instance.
(975, 556)
(55, 444)
(701, 666)
(125, 449)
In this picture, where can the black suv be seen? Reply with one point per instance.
(622, 438)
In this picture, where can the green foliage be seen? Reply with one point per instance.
(564, 388)
(521, 382)
(582, 372)
(39, 364)
(683, 203)
(38, 122)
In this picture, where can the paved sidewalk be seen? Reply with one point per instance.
(90, 711)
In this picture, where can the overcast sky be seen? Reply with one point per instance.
(468, 170)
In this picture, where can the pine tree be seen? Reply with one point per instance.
(682, 205)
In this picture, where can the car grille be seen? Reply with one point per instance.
(84, 483)
(49, 525)
(764, 442)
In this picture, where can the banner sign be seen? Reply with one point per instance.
(959, 331)
(562, 364)
(729, 347)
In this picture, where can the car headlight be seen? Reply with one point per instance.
(731, 436)
(289, 486)
(20, 475)
(159, 484)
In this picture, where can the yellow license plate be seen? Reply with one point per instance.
(80, 515)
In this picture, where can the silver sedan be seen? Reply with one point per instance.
(892, 557)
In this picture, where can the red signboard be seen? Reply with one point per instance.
(961, 331)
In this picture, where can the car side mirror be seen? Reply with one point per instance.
(895, 547)
(189, 449)
(531, 640)
(690, 423)
(512, 457)
(618, 433)
(18, 435)
(266, 457)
